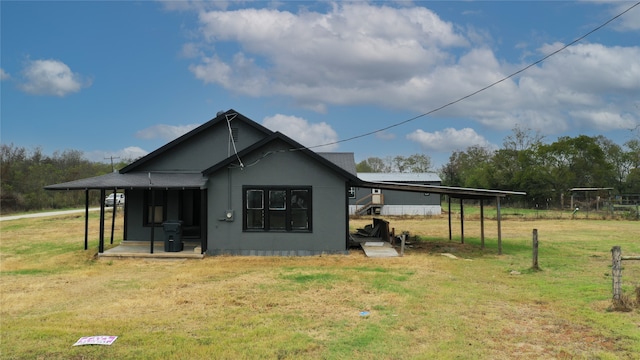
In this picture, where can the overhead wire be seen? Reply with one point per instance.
(451, 103)
(483, 88)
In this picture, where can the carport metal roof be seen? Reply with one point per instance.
(456, 193)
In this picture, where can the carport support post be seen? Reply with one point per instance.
(449, 202)
(499, 225)
(86, 219)
(461, 221)
(101, 237)
(113, 217)
(482, 223)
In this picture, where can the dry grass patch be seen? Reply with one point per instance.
(422, 305)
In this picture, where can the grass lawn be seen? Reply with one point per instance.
(421, 306)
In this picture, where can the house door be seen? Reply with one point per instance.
(376, 196)
(190, 213)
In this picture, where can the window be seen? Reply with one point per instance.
(159, 198)
(277, 209)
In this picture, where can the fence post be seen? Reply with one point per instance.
(616, 270)
(535, 250)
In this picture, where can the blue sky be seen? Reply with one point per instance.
(122, 78)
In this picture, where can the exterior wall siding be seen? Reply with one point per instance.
(273, 167)
(416, 210)
(204, 149)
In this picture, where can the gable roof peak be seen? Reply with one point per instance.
(226, 116)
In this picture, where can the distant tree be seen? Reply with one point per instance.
(522, 139)
(515, 166)
(469, 168)
(372, 164)
(416, 163)
(25, 173)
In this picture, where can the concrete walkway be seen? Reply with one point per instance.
(378, 249)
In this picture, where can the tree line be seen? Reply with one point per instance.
(24, 173)
(545, 171)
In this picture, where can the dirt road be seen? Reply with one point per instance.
(43, 214)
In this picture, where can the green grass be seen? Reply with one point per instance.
(421, 306)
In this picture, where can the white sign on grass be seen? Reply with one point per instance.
(96, 340)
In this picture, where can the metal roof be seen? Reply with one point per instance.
(399, 177)
(454, 192)
(344, 160)
(135, 180)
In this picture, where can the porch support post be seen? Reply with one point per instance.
(203, 221)
(101, 237)
(449, 211)
(482, 223)
(499, 226)
(125, 211)
(461, 221)
(113, 216)
(86, 219)
(153, 218)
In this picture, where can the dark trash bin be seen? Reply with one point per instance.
(172, 236)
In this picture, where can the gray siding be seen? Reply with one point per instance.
(279, 168)
(204, 149)
(393, 197)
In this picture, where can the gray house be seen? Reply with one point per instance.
(381, 201)
(233, 186)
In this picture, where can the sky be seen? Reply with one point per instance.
(377, 78)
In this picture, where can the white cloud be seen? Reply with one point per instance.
(127, 154)
(605, 120)
(165, 132)
(302, 131)
(449, 139)
(630, 21)
(347, 55)
(51, 77)
(360, 53)
(385, 135)
(4, 75)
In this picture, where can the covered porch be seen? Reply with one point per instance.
(146, 240)
(140, 249)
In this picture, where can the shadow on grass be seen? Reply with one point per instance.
(472, 247)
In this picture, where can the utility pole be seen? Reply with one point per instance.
(112, 157)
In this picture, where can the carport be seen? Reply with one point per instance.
(483, 195)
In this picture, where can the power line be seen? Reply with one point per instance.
(484, 88)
